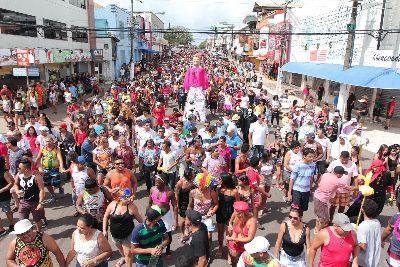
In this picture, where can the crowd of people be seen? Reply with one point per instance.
(209, 149)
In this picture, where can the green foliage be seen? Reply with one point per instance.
(203, 44)
(178, 36)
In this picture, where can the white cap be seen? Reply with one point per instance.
(21, 227)
(258, 244)
(43, 128)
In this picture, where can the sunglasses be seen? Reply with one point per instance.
(293, 218)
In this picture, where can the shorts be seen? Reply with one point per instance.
(290, 261)
(321, 167)
(209, 223)
(168, 220)
(300, 199)
(340, 199)
(25, 208)
(52, 177)
(20, 112)
(102, 171)
(321, 209)
(5, 206)
(213, 105)
(256, 200)
(124, 241)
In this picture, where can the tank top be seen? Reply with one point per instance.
(86, 249)
(313, 146)
(184, 197)
(121, 225)
(294, 159)
(49, 159)
(29, 187)
(79, 178)
(6, 195)
(291, 248)
(80, 137)
(163, 201)
(266, 169)
(330, 255)
(32, 253)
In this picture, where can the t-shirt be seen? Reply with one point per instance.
(369, 232)
(145, 237)
(327, 187)
(254, 178)
(214, 165)
(86, 150)
(169, 159)
(301, 176)
(198, 243)
(350, 167)
(149, 156)
(259, 133)
(233, 141)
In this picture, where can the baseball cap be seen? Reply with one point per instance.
(341, 220)
(258, 244)
(81, 159)
(153, 213)
(193, 216)
(339, 170)
(63, 125)
(43, 128)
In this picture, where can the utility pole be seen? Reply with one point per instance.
(381, 25)
(283, 47)
(132, 72)
(351, 28)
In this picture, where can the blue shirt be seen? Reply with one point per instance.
(234, 141)
(301, 176)
(86, 150)
(73, 91)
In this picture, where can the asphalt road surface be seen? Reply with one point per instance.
(62, 223)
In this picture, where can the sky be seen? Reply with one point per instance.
(192, 14)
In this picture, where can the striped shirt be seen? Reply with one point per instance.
(145, 237)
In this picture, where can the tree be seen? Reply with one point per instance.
(203, 44)
(178, 36)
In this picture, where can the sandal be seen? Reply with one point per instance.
(120, 262)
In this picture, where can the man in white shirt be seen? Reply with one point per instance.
(179, 146)
(168, 128)
(144, 135)
(258, 134)
(168, 161)
(32, 122)
(203, 132)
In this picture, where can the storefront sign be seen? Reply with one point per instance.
(97, 54)
(21, 72)
(58, 56)
(25, 56)
(381, 58)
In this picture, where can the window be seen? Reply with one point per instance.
(78, 3)
(17, 24)
(79, 35)
(54, 30)
(105, 46)
(121, 28)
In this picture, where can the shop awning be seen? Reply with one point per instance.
(148, 50)
(364, 76)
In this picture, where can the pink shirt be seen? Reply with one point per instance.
(327, 187)
(196, 77)
(351, 169)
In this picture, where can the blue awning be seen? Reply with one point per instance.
(148, 50)
(364, 76)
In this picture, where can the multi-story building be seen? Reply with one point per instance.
(54, 30)
(318, 49)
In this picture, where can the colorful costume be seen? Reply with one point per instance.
(196, 84)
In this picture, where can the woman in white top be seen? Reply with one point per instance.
(88, 244)
(19, 111)
(33, 103)
(292, 157)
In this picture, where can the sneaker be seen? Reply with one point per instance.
(11, 228)
(45, 223)
(52, 199)
(61, 191)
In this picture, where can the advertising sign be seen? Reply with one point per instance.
(25, 56)
(21, 72)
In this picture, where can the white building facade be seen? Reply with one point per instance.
(55, 29)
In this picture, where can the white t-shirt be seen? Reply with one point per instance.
(275, 104)
(169, 160)
(143, 136)
(68, 97)
(325, 143)
(369, 232)
(178, 146)
(244, 103)
(259, 133)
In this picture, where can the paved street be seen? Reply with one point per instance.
(61, 221)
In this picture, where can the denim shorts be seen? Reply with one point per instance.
(124, 241)
(5, 206)
(52, 177)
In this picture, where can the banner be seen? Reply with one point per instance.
(25, 56)
(8, 57)
(59, 56)
(97, 54)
